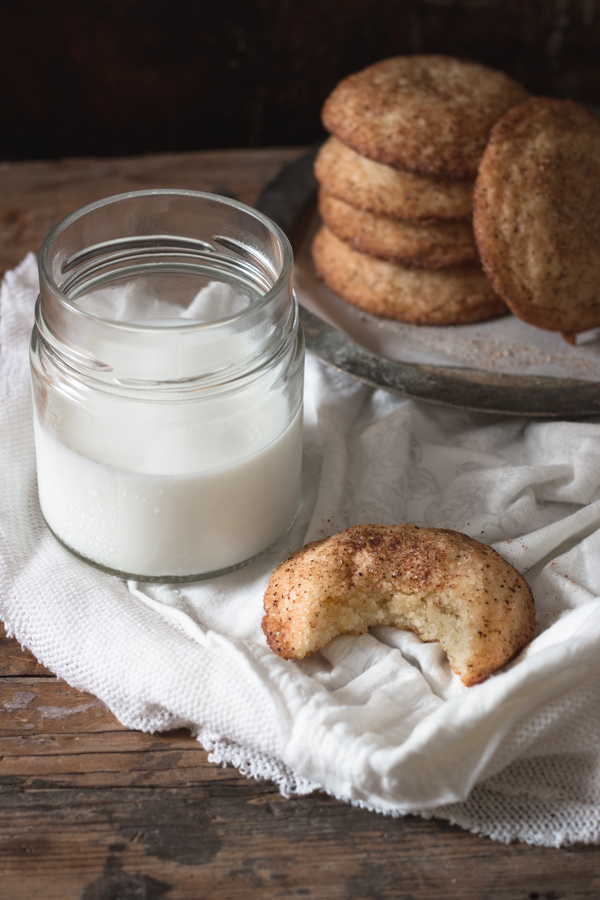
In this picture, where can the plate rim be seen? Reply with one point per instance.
(287, 200)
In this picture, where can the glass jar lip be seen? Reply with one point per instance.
(189, 325)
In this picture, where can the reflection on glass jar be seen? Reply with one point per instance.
(167, 361)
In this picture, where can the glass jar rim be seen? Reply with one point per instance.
(46, 249)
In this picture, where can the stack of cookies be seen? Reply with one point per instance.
(396, 182)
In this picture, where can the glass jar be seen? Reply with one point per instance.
(167, 362)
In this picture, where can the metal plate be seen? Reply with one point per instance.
(287, 200)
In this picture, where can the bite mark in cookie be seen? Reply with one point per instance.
(440, 584)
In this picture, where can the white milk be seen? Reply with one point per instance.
(173, 520)
(167, 385)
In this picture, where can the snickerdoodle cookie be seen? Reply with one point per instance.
(431, 244)
(425, 114)
(537, 214)
(381, 189)
(440, 584)
(422, 296)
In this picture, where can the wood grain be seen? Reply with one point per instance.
(35, 196)
(90, 810)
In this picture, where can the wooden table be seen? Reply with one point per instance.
(92, 811)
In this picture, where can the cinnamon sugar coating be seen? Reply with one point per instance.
(426, 114)
(381, 189)
(537, 214)
(449, 296)
(431, 244)
(440, 584)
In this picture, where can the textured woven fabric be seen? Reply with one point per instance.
(379, 720)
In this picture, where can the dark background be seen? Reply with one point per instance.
(119, 77)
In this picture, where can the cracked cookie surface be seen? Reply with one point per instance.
(428, 114)
(441, 584)
(537, 214)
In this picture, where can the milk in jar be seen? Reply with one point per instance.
(167, 363)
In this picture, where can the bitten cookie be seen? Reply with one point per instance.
(440, 584)
(426, 114)
(421, 296)
(369, 185)
(537, 214)
(432, 244)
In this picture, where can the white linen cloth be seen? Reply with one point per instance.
(379, 720)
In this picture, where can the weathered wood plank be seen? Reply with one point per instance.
(14, 660)
(48, 705)
(89, 809)
(248, 842)
(37, 195)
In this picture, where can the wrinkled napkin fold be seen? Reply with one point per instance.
(379, 720)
